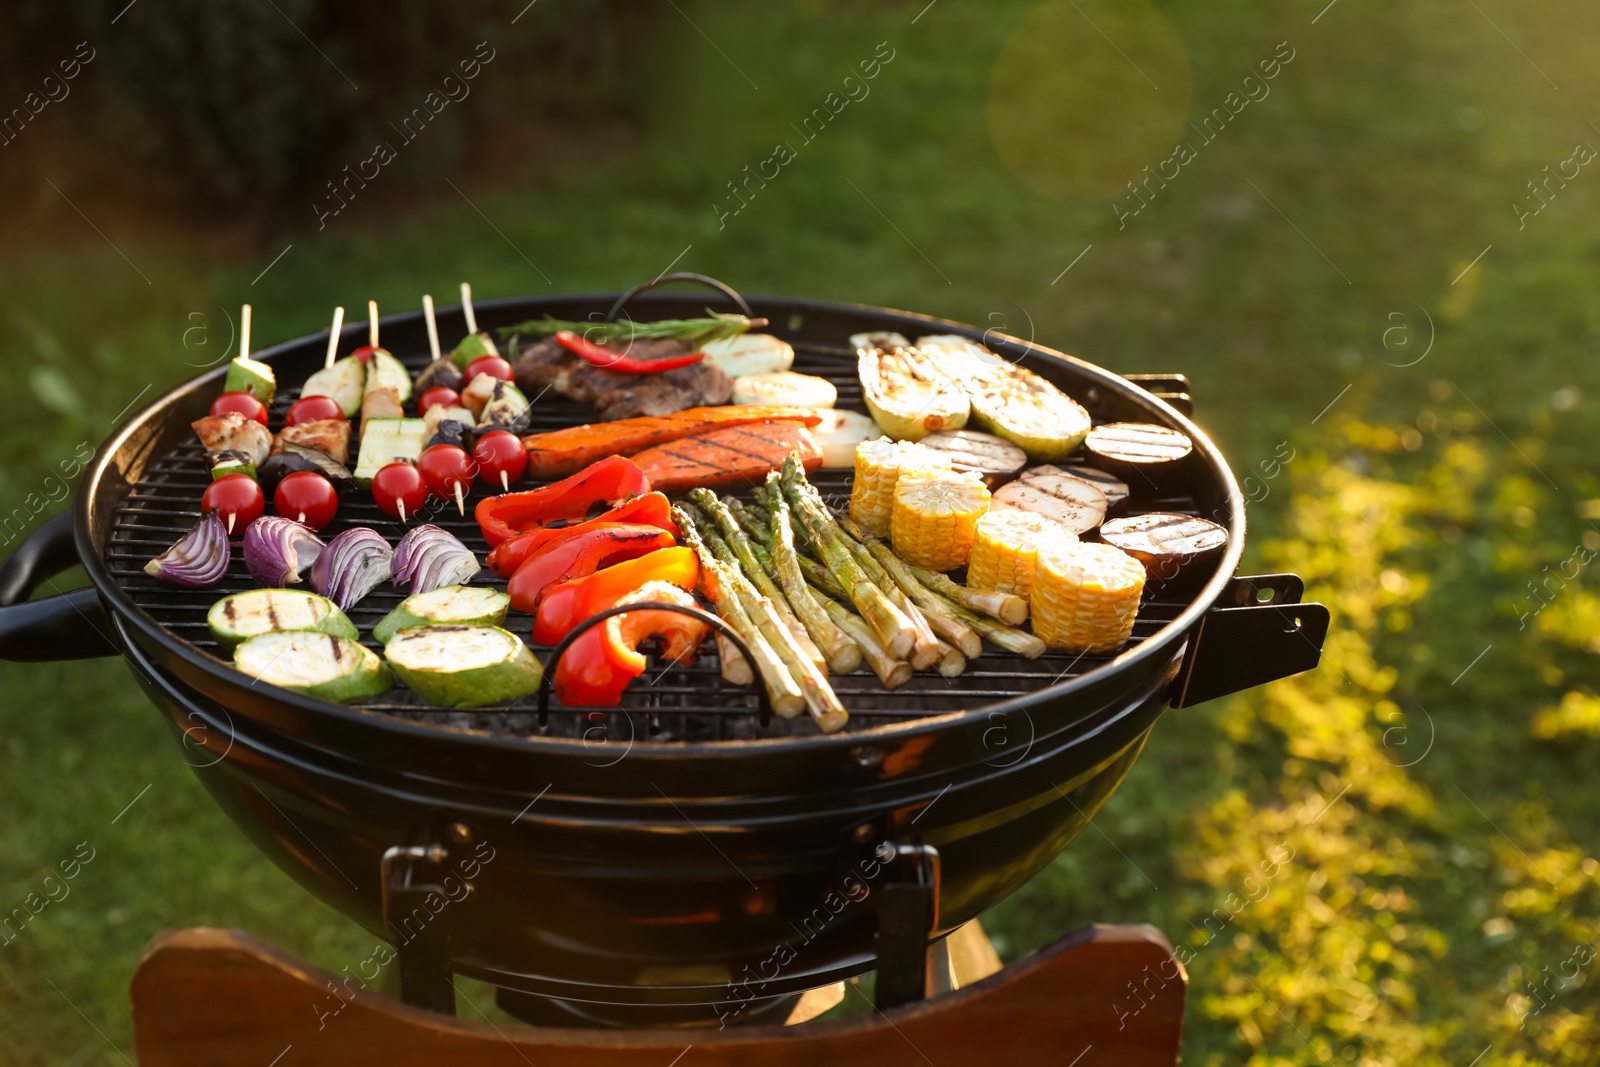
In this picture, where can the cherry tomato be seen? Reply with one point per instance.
(493, 366)
(447, 468)
(308, 497)
(312, 408)
(364, 353)
(501, 458)
(398, 489)
(237, 498)
(438, 396)
(244, 403)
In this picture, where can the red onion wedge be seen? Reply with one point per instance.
(352, 565)
(428, 557)
(199, 559)
(277, 549)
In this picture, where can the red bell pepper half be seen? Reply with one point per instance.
(652, 509)
(581, 555)
(569, 603)
(613, 479)
(598, 666)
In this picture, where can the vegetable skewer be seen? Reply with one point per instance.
(723, 531)
(783, 692)
(895, 631)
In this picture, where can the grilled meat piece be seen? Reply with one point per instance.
(619, 395)
(232, 432)
(328, 435)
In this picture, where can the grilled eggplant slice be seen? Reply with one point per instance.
(345, 382)
(460, 605)
(463, 666)
(909, 397)
(241, 616)
(1008, 400)
(442, 373)
(297, 457)
(1115, 489)
(1078, 506)
(994, 459)
(321, 665)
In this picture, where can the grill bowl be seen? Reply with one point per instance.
(645, 859)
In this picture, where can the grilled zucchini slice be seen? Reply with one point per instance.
(241, 616)
(463, 666)
(462, 605)
(319, 665)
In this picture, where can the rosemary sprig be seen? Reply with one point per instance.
(696, 332)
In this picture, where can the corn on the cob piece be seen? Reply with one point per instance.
(879, 465)
(1085, 596)
(1005, 546)
(936, 515)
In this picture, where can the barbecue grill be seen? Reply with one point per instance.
(685, 857)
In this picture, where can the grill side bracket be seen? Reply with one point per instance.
(1258, 632)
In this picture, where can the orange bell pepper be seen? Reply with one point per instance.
(580, 555)
(598, 666)
(611, 480)
(651, 509)
(569, 603)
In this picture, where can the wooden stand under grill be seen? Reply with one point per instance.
(1104, 995)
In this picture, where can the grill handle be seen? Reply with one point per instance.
(706, 617)
(71, 625)
(682, 276)
(1257, 632)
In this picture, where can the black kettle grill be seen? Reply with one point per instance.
(686, 858)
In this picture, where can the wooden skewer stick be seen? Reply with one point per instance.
(433, 326)
(461, 505)
(232, 514)
(333, 335)
(401, 504)
(466, 308)
(244, 331)
(505, 482)
(372, 323)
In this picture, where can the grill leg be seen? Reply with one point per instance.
(908, 914)
(424, 981)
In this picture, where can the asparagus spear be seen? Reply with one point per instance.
(1007, 637)
(732, 546)
(749, 521)
(1007, 607)
(895, 631)
(822, 578)
(951, 661)
(843, 654)
(943, 623)
(893, 673)
(783, 692)
(736, 670)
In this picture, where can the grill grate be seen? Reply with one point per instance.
(669, 702)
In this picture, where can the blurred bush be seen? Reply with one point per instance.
(245, 104)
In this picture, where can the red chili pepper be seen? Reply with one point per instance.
(610, 359)
(610, 480)
(578, 556)
(652, 509)
(569, 603)
(598, 666)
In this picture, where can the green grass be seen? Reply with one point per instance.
(1418, 506)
